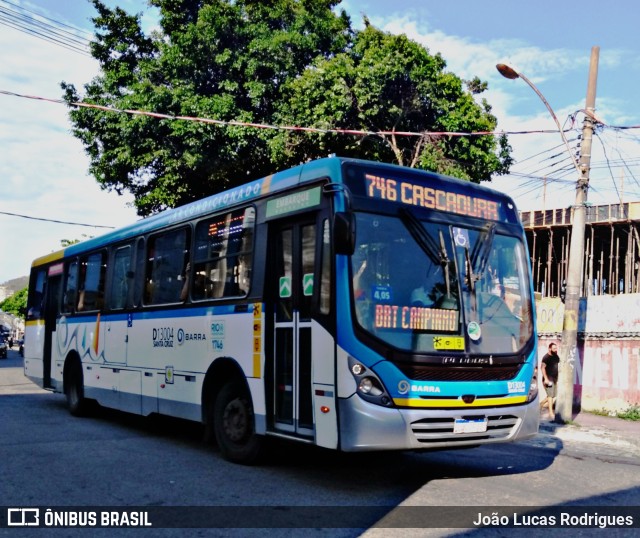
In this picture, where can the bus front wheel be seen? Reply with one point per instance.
(234, 424)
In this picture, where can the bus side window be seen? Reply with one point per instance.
(36, 294)
(71, 287)
(120, 278)
(223, 255)
(93, 269)
(167, 258)
(325, 272)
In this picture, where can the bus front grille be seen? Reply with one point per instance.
(459, 373)
(434, 431)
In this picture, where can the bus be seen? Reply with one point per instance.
(348, 304)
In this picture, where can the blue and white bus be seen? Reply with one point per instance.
(348, 304)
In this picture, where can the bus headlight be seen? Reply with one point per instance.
(369, 385)
(533, 388)
(370, 388)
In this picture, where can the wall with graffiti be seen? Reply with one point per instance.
(607, 374)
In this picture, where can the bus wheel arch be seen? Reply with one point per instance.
(228, 412)
(73, 385)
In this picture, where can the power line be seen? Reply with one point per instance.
(55, 21)
(55, 221)
(527, 181)
(604, 149)
(233, 123)
(55, 32)
(546, 151)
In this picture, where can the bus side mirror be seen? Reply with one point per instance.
(344, 233)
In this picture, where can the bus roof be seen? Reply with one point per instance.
(299, 175)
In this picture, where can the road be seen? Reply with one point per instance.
(50, 459)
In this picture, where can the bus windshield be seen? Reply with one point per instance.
(428, 287)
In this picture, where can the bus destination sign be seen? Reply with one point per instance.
(405, 192)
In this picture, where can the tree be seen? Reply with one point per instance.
(217, 59)
(294, 62)
(64, 243)
(16, 304)
(388, 82)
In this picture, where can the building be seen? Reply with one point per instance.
(607, 374)
(611, 254)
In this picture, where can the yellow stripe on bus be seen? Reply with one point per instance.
(34, 322)
(54, 256)
(257, 362)
(266, 184)
(457, 402)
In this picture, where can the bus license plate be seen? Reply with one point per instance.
(462, 425)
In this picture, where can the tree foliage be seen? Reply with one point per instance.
(16, 304)
(390, 83)
(295, 62)
(64, 243)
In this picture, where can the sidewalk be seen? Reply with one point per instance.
(616, 433)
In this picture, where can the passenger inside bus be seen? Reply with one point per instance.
(201, 285)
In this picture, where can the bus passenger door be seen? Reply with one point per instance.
(291, 286)
(51, 313)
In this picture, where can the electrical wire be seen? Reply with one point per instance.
(625, 165)
(55, 221)
(36, 25)
(546, 151)
(233, 123)
(55, 21)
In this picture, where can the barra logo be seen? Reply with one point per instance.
(403, 387)
(425, 388)
(189, 337)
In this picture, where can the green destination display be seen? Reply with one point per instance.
(293, 202)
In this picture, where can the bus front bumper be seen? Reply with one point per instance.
(367, 427)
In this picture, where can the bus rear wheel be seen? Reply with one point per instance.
(74, 390)
(234, 424)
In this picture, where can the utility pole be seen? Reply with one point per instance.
(569, 344)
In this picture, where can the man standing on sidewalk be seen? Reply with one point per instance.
(549, 369)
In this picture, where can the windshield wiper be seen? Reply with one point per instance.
(436, 253)
(482, 249)
(476, 263)
(417, 231)
(444, 262)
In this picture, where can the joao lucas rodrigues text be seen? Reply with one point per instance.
(559, 519)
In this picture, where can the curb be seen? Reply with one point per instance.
(610, 441)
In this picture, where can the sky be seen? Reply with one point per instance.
(44, 170)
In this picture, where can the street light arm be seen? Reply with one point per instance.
(510, 73)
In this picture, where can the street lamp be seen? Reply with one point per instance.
(509, 72)
(569, 344)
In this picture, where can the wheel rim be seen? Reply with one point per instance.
(235, 420)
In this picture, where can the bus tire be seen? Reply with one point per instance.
(74, 389)
(234, 424)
